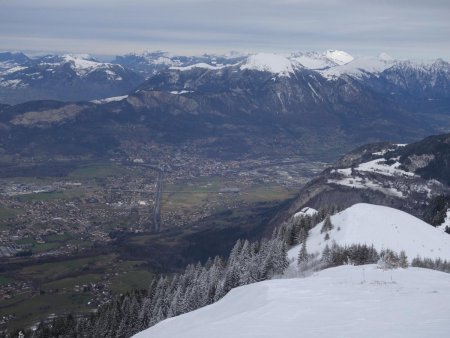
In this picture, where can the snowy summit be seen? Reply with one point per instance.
(273, 63)
(339, 57)
(382, 227)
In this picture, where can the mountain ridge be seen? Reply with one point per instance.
(410, 177)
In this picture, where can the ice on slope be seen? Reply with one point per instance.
(382, 227)
(272, 63)
(346, 301)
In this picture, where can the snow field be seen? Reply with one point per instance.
(382, 227)
(346, 301)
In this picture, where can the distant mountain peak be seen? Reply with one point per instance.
(385, 57)
(271, 62)
(339, 56)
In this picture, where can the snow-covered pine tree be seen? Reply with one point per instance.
(326, 255)
(327, 225)
(303, 256)
(403, 260)
(303, 235)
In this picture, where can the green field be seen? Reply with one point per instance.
(51, 196)
(30, 308)
(5, 280)
(131, 280)
(53, 271)
(6, 214)
(57, 282)
(266, 193)
(195, 193)
(96, 170)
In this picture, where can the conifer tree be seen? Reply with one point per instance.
(403, 260)
(326, 255)
(303, 256)
(327, 225)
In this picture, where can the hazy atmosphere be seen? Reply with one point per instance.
(404, 29)
(216, 169)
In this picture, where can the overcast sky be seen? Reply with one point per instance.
(402, 28)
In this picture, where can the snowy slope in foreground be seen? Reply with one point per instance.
(385, 228)
(347, 301)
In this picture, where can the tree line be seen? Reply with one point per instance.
(203, 284)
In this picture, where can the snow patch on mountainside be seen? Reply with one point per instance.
(305, 212)
(110, 99)
(382, 227)
(313, 60)
(272, 63)
(198, 65)
(181, 92)
(361, 177)
(338, 56)
(366, 183)
(15, 83)
(382, 167)
(13, 70)
(346, 301)
(83, 65)
(360, 67)
(446, 222)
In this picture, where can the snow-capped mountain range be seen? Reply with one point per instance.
(240, 99)
(61, 77)
(22, 77)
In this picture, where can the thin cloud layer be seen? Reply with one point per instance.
(418, 29)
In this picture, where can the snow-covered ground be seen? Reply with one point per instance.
(446, 222)
(366, 183)
(198, 65)
(286, 64)
(272, 63)
(382, 227)
(360, 67)
(305, 212)
(357, 177)
(382, 167)
(110, 99)
(341, 302)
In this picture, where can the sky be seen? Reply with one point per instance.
(401, 28)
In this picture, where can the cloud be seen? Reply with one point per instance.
(402, 28)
